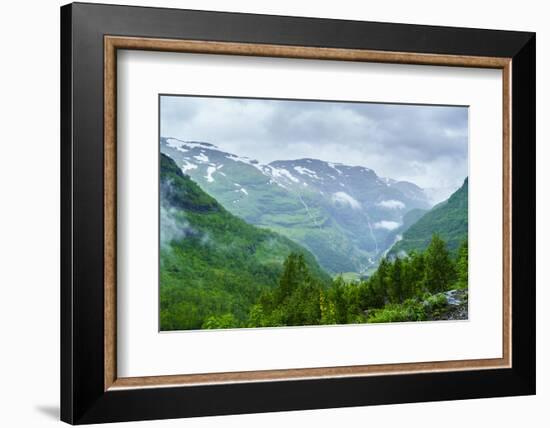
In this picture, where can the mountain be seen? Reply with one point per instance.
(212, 262)
(409, 219)
(449, 219)
(347, 216)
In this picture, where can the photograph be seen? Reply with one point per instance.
(277, 212)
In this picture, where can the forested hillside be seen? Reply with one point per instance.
(214, 265)
(449, 220)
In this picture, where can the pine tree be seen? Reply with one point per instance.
(328, 315)
(462, 265)
(396, 282)
(380, 283)
(296, 301)
(439, 269)
(294, 272)
(369, 295)
(415, 277)
(337, 297)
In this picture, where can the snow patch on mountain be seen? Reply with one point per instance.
(252, 162)
(242, 159)
(180, 144)
(282, 173)
(212, 168)
(209, 171)
(188, 166)
(181, 149)
(333, 166)
(305, 171)
(202, 157)
(344, 199)
(391, 204)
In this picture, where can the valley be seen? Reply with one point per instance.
(346, 216)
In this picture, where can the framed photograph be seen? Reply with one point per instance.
(266, 213)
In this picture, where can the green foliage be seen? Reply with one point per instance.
(295, 301)
(396, 290)
(415, 273)
(407, 289)
(435, 301)
(180, 192)
(462, 265)
(448, 219)
(439, 268)
(220, 321)
(410, 310)
(418, 308)
(337, 298)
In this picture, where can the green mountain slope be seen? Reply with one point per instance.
(409, 219)
(449, 219)
(214, 265)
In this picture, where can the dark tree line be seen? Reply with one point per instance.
(402, 288)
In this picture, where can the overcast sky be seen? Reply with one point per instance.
(427, 145)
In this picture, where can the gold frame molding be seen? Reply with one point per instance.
(113, 43)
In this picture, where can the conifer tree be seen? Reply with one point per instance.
(462, 265)
(339, 301)
(396, 281)
(439, 268)
(418, 266)
(294, 272)
(381, 280)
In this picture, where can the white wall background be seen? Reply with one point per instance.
(29, 215)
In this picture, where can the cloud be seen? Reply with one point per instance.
(386, 224)
(173, 224)
(391, 204)
(343, 198)
(427, 145)
(172, 228)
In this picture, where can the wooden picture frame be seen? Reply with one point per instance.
(91, 390)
